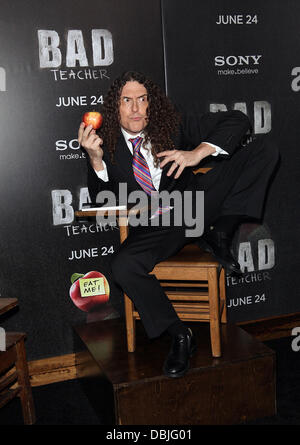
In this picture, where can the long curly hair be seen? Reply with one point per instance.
(163, 119)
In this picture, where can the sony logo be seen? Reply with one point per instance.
(236, 60)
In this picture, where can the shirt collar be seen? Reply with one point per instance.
(128, 136)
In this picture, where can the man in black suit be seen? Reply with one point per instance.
(146, 144)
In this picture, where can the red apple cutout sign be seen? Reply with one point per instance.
(93, 118)
(89, 291)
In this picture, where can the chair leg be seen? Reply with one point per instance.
(24, 383)
(130, 324)
(222, 290)
(214, 312)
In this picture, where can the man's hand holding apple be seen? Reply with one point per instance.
(92, 143)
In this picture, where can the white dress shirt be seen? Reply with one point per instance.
(155, 172)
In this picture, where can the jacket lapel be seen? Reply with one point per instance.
(164, 180)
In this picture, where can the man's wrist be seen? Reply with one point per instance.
(203, 150)
(97, 164)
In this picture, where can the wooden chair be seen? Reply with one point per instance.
(195, 283)
(14, 376)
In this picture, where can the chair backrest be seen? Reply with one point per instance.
(202, 170)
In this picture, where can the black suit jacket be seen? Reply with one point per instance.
(224, 129)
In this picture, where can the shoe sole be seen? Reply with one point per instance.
(226, 266)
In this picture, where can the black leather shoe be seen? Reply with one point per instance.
(218, 244)
(177, 362)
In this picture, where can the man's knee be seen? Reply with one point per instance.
(267, 148)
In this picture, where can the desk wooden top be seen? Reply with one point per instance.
(92, 212)
(117, 212)
(6, 304)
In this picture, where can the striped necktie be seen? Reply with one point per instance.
(142, 173)
(140, 167)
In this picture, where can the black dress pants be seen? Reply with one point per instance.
(235, 186)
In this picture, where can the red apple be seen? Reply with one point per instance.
(88, 303)
(93, 118)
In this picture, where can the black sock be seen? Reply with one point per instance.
(177, 328)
